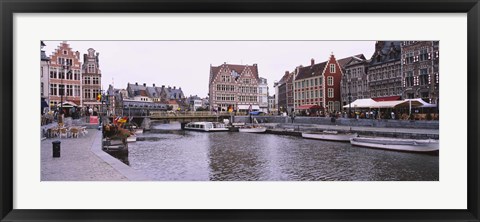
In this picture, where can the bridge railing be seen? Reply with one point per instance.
(188, 114)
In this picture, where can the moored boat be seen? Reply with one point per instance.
(132, 138)
(408, 145)
(206, 126)
(252, 129)
(330, 135)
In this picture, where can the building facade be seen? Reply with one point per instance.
(65, 76)
(263, 95)
(91, 79)
(44, 77)
(271, 105)
(420, 71)
(384, 71)
(354, 80)
(234, 86)
(319, 84)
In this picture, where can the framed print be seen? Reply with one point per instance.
(255, 111)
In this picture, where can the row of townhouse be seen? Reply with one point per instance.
(238, 87)
(396, 70)
(140, 99)
(64, 78)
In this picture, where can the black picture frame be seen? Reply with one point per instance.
(9, 7)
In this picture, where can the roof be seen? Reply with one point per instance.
(44, 56)
(310, 71)
(386, 51)
(237, 68)
(345, 61)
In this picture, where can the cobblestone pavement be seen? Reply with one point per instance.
(77, 162)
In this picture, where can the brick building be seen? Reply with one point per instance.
(65, 76)
(235, 86)
(420, 72)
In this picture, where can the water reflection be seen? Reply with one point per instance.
(232, 156)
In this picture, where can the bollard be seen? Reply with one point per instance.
(56, 148)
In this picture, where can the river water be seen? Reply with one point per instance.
(171, 154)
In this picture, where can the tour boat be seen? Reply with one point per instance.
(330, 135)
(252, 129)
(206, 126)
(409, 145)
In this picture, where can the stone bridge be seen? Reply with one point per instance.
(183, 117)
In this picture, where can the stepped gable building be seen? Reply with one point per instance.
(65, 73)
(91, 79)
(234, 86)
(319, 84)
(384, 70)
(420, 73)
(354, 80)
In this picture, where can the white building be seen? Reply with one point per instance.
(263, 95)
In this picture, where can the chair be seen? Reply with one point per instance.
(63, 132)
(83, 130)
(53, 132)
(74, 132)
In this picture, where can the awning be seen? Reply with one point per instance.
(313, 106)
(246, 107)
(424, 104)
(67, 104)
(361, 103)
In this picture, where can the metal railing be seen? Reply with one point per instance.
(160, 114)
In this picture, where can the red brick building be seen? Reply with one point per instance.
(319, 84)
(65, 76)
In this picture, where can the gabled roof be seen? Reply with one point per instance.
(43, 56)
(214, 70)
(311, 71)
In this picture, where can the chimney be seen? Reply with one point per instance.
(163, 86)
(136, 83)
(144, 84)
(153, 84)
(286, 72)
(312, 61)
(174, 87)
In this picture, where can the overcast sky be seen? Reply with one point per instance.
(186, 64)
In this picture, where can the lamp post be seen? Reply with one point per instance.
(349, 96)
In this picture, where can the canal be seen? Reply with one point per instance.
(170, 154)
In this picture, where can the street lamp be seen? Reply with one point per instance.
(349, 96)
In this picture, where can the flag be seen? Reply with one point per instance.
(99, 97)
(230, 108)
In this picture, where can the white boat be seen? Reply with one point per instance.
(138, 131)
(252, 129)
(132, 138)
(206, 126)
(410, 145)
(330, 135)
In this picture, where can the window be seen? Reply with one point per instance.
(409, 79)
(69, 90)
(53, 89)
(95, 81)
(330, 80)
(87, 94)
(332, 68)
(306, 83)
(61, 74)
(69, 75)
(423, 55)
(76, 89)
(76, 75)
(330, 93)
(91, 68)
(41, 88)
(316, 82)
(409, 58)
(423, 75)
(53, 73)
(86, 80)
